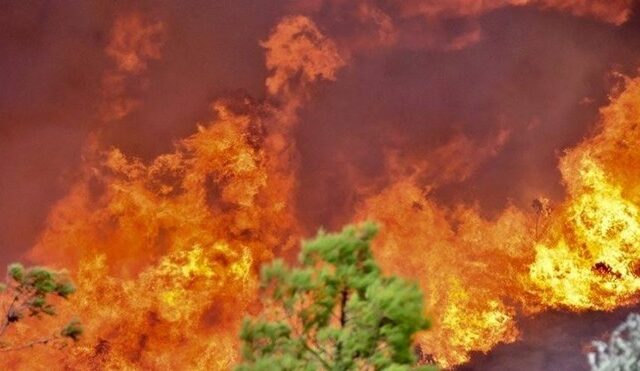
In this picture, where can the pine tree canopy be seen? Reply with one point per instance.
(335, 311)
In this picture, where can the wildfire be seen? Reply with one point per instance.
(166, 252)
(477, 273)
(162, 261)
(461, 269)
(589, 257)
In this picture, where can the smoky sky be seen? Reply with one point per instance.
(540, 75)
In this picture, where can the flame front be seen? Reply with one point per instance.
(478, 274)
(466, 272)
(166, 252)
(589, 259)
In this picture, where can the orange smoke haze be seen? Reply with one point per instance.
(616, 11)
(373, 114)
(134, 42)
(295, 37)
(388, 22)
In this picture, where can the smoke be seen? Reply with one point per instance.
(368, 25)
(554, 340)
(616, 12)
(519, 75)
(134, 42)
(295, 37)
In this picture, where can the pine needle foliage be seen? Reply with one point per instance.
(32, 292)
(335, 311)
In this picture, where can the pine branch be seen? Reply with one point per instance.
(43, 341)
(7, 316)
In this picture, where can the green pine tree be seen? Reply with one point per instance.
(29, 292)
(335, 312)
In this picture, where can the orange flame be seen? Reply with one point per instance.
(478, 273)
(166, 252)
(460, 261)
(589, 258)
(161, 259)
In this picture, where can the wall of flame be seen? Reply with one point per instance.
(479, 274)
(166, 251)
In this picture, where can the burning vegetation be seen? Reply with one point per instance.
(166, 252)
(582, 255)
